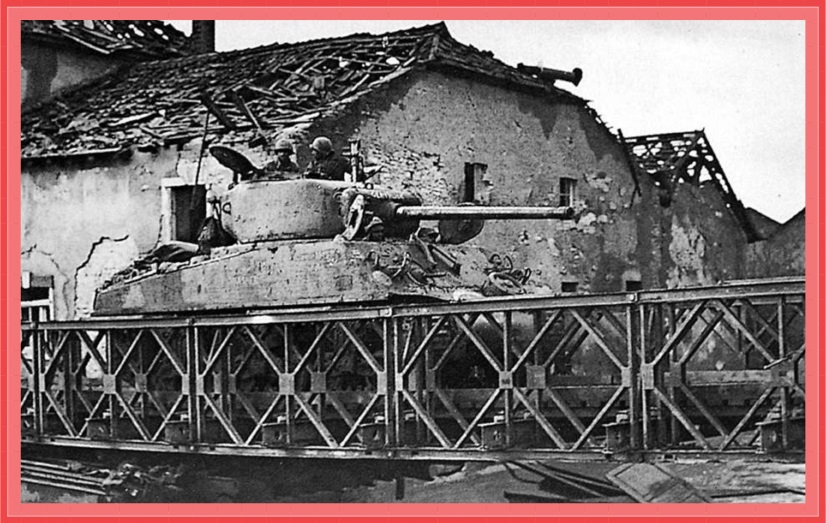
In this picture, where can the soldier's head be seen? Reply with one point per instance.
(283, 148)
(321, 148)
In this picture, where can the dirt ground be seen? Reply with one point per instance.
(756, 480)
(736, 481)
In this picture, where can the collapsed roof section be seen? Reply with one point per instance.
(686, 157)
(139, 38)
(270, 87)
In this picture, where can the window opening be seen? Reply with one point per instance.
(633, 285)
(36, 298)
(187, 212)
(569, 286)
(567, 192)
(476, 183)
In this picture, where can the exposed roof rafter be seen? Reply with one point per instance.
(143, 38)
(686, 158)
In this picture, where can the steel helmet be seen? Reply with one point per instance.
(323, 145)
(283, 144)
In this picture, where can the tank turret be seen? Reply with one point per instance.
(303, 208)
(275, 243)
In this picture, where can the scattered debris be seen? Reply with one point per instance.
(254, 90)
(653, 483)
(125, 483)
(143, 38)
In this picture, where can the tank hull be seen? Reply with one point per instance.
(291, 273)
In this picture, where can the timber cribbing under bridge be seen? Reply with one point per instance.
(697, 371)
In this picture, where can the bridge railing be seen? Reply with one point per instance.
(699, 370)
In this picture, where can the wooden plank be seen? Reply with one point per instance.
(217, 111)
(131, 120)
(701, 378)
(245, 110)
(653, 483)
(272, 95)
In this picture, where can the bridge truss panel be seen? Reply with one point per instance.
(700, 370)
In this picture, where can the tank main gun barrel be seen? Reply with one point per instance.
(479, 212)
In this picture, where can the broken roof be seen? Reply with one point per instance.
(141, 38)
(686, 158)
(272, 86)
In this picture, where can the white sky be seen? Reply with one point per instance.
(741, 81)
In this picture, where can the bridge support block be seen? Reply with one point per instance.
(771, 434)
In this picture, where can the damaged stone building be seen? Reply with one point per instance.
(57, 55)
(109, 169)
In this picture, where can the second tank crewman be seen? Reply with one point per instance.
(326, 164)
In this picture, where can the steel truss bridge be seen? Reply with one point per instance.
(696, 371)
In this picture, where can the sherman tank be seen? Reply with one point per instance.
(273, 242)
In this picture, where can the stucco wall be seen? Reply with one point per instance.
(423, 129)
(85, 220)
(47, 69)
(707, 244)
(69, 210)
(782, 254)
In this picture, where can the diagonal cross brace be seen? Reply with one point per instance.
(734, 320)
(423, 345)
(431, 425)
(478, 343)
(598, 338)
(469, 429)
(361, 348)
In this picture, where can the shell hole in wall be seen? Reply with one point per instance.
(633, 285)
(569, 286)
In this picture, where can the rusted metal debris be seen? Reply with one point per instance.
(124, 483)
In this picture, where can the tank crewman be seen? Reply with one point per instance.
(283, 161)
(326, 164)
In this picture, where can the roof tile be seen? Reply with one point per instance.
(146, 38)
(278, 85)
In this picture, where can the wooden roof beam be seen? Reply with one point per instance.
(217, 111)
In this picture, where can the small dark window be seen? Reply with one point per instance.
(188, 211)
(633, 285)
(569, 286)
(567, 192)
(36, 298)
(34, 294)
(475, 176)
